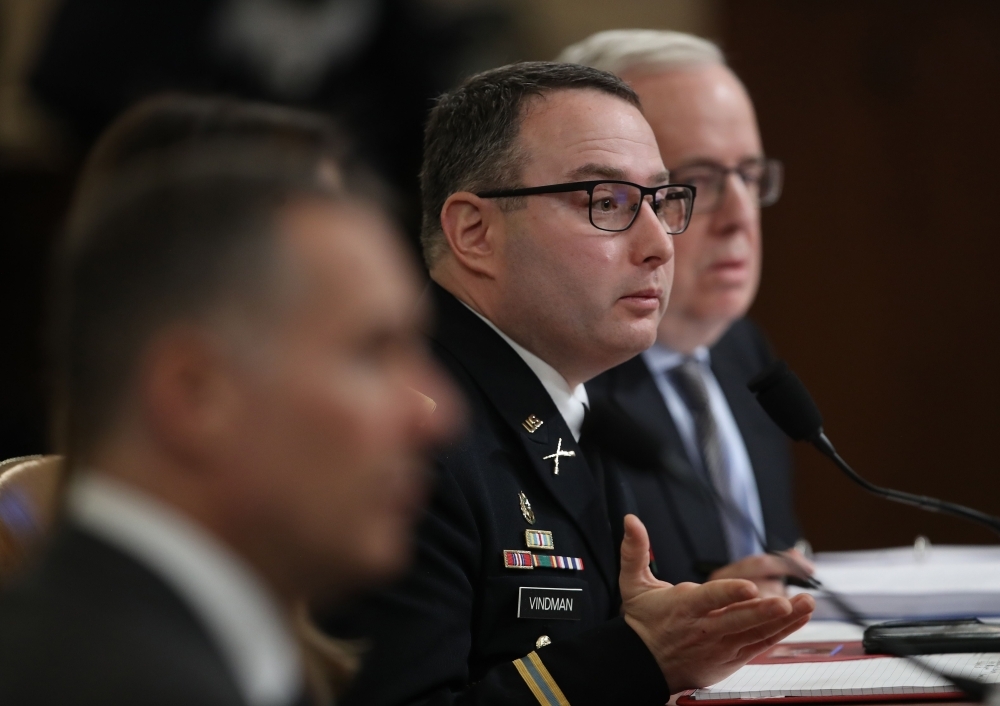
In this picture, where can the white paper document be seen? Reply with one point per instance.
(827, 631)
(860, 677)
(943, 582)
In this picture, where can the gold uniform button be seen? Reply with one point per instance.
(542, 642)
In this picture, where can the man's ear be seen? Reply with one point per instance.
(474, 230)
(187, 393)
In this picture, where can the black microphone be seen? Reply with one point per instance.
(787, 401)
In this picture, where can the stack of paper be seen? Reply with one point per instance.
(886, 676)
(827, 631)
(941, 582)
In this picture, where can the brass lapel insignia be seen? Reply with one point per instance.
(557, 455)
(531, 424)
(529, 514)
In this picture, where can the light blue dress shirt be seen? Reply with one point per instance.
(740, 494)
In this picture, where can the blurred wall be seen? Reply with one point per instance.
(34, 187)
(545, 28)
(27, 135)
(880, 280)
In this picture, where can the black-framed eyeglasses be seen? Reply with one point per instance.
(762, 176)
(614, 205)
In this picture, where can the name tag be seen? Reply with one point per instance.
(549, 603)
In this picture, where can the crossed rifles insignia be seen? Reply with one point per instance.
(557, 455)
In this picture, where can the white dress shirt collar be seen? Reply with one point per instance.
(572, 403)
(660, 359)
(248, 626)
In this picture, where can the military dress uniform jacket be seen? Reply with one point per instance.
(685, 530)
(459, 629)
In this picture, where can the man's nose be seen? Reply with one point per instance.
(653, 241)
(439, 407)
(737, 206)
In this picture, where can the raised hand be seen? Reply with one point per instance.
(700, 634)
(766, 570)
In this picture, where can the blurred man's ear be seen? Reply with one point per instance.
(474, 229)
(187, 394)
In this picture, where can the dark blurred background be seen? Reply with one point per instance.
(880, 284)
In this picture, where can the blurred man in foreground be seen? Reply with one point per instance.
(547, 233)
(725, 493)
(236, 352)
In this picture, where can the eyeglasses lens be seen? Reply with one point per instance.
(673, 206)
(771, 182)
(613, 206)
(762, 179)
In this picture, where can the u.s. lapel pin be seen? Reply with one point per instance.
(531, 424)
(557, 455)
(529, 514)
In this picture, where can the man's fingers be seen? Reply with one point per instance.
(794, 627)
(803, 604)
(635, 576)
(743, 630)
(749, 614)
(718, 594)
(798, 561)
(750, 651)
(766, 628)
(635, 548)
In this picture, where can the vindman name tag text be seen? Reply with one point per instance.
(550, 603)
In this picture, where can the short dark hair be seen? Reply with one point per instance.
(471, 135)
(174, 122)
(170, 120)
(175, 215)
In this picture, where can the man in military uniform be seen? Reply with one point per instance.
(547, 232)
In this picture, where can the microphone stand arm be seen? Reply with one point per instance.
(823, 444)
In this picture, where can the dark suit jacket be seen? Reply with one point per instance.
(89, 625)
(684, 526)
(450, 631)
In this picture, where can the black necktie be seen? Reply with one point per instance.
(592, 455)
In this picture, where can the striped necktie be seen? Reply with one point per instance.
(734, 513)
